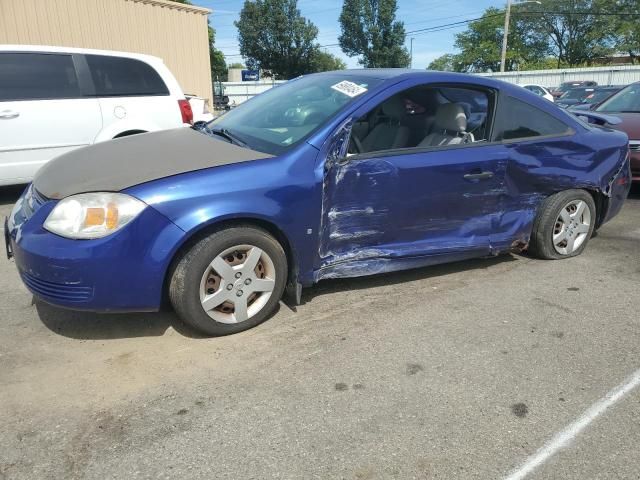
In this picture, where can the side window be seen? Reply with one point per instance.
(422, 117)
(37, 76)
(119, 77)
(517, 119)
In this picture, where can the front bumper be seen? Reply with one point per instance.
(124, 271)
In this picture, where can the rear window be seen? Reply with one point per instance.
(119, 77)
(517, 119)
(37, 76)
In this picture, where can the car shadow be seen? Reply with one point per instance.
(110, 326)
(81, 325)
(334, 285)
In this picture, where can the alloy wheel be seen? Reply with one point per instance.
(237, 284)
(571, 227)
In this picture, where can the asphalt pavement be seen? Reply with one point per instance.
(458, 371)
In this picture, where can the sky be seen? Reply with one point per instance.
(415, 14)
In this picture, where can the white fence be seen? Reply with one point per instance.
(239, 92)
(618, 75)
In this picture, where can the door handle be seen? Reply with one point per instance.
(9, 114)
(478, 176)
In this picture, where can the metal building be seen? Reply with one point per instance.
(175, 32)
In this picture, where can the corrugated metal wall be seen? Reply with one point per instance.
(174, 32)
(621, 75)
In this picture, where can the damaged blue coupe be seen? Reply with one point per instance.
(330, 175)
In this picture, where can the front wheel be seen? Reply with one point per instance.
(229, 281)
(564, 225)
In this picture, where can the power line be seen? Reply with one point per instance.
(448, 26)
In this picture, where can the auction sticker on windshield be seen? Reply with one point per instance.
(349, 88)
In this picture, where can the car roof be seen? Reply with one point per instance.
(430, 76)
(87, 51)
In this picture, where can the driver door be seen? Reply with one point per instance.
(391, 208)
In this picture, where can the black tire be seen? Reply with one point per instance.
(541, 244)
(184, 288)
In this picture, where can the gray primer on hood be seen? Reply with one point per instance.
(124, 162)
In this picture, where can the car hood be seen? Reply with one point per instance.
(124, 162)
(630, 123)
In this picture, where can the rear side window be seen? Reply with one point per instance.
(37, 76)
(517, 119)
(119, 77)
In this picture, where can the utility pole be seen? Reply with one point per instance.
(507, 15)
(411, 52)
(503, 57)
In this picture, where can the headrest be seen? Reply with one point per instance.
(394, 107)
(451, 117)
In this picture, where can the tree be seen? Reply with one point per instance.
(444, 63)
(370, 31)
(627, 29)
(237, 65)
(481, 44)
(275, 37)
(579, 31)
(216, 57)
(324, 62)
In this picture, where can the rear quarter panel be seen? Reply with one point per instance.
(589, 159)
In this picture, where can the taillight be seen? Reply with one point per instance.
(185, 110)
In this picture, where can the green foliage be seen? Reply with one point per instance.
(237, 65)
(276, 38)
(444, 63)
(627, 29)
(370, 31)
(577, 30)
(548, 35)
(481, 44)
(324, 62)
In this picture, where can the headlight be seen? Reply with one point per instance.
(92, 215)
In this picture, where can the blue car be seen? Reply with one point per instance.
(337, 174)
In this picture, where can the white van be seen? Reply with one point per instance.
(56, 99)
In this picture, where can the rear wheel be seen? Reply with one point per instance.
(230, 281)
(564, 225)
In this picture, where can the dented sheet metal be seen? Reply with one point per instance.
(392, 212)
(379, 210)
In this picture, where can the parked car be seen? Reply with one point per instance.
(200, 109)
(574, 96)
(596, 97)
(625, 105)
(336, 174)
(566, 86)
(57, 99)
(539, 90)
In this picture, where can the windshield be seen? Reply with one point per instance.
(626, 100)
(598, 96)
(576, 94)
(285, 115)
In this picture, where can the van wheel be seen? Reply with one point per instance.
(564, 225)
(229, 281)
